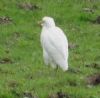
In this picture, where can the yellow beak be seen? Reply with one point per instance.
(40, 23)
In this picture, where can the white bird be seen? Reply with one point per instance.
(54, 44)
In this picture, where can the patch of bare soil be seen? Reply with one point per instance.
(93, 79)
(59, 95)
(97, 20)
(5, 20)
(6, 61)
(13, 84)
(16, 35)
(72, 46)
(93, 65)
(28, 6)
(88, 10)
(28, 94)
(72, 83)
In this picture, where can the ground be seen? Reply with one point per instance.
(22, 70)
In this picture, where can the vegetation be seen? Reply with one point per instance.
(21, 63)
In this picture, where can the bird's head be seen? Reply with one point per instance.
(47, 22)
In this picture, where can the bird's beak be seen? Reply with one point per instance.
(40, 23)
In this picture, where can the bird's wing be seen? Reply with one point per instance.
(56, 43)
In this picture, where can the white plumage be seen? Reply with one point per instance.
(54, 44)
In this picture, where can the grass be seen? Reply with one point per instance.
(28, 72)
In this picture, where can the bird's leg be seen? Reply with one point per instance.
(55, 67)
(56, 70)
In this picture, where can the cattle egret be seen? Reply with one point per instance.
(54, 44)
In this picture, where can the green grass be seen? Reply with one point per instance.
(28, 70)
